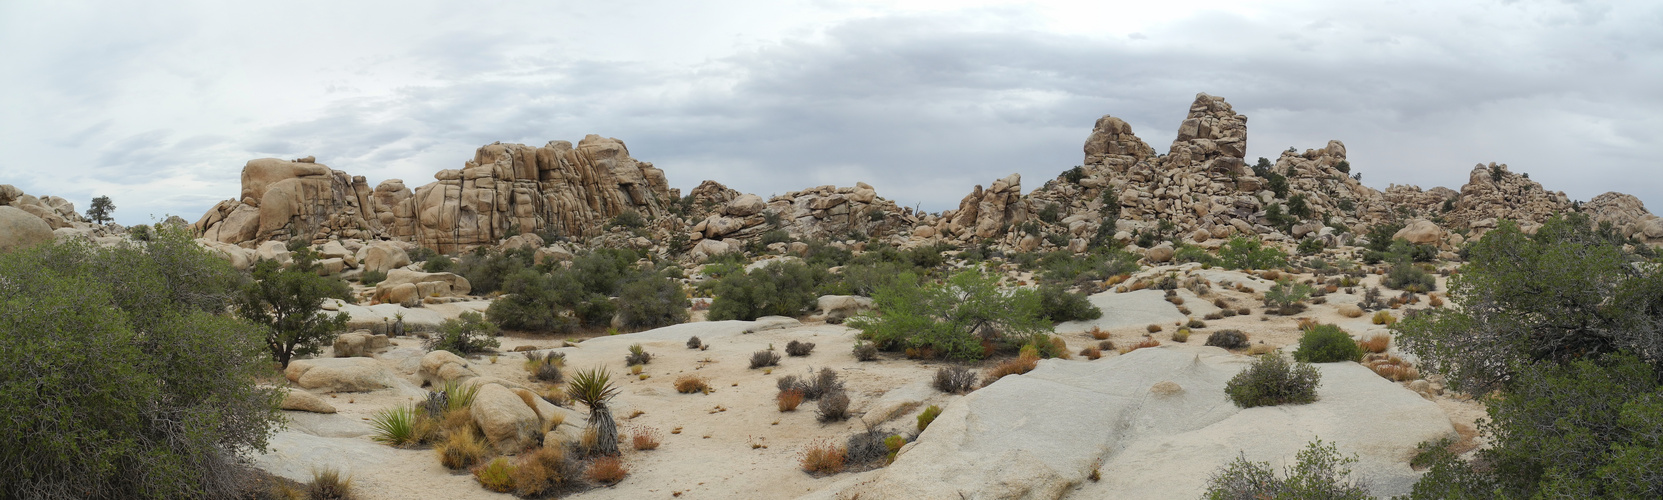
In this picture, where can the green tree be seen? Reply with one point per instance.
(955, 317)
(289, 303)
(1249, 253)
(465, 334)
(120, 376)
(652, 302)
(778, 289)
(101, 209)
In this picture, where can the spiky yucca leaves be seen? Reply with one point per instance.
(459, 396)
(395, 426)
(593, 388)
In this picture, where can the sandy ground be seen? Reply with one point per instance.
(733, 442)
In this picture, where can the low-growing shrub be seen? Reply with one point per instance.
(1320, 472)
(1272, 381)
(1154, 328)
(865, 351)
(461, 449)
(606, 470)
(542, 470)
(1107, 345)
(637, 355)
(689, 384)
(545, 366)
(955, 379)
(496, 476)
(796, 348)
(1022, 364)
(1228, 339)
(466, 334)
(1098, 333)
(327, 484)
(1376, 343)
(694, 342)
(833, 407)
(1214, 316)
(1285, 296)
(372, 277)
(1384, 318)
(764, 358)
(789, 399)
(865, 448)
(1196, 324)
(1147, 342)
(645, 438)
(822, 457)
(928, 416)
(1091, 353)
(652, 301)
(1327, 344)
(1391, 367)
(1058, 305)
(1182, 335)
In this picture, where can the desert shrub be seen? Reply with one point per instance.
(866, 448)
(1408, 277)
(1091, 353)
(1384, 318)
(778, 289)
(833, 407)
(542, 470)
(465, 334)
(534, 302)
(1191, 253)
(1146, 343)
(865, 351)
(645, 438)
(1020, 365)
(816, 386)
(1327, 344)
(1181, 336)
(1310, 246)
(1063, 267)
(372, 277)
(1153, 328)
(822, 457)
(606, 470)
(1285, 296)
(488, 270)
(796, 348)
(1058, 305)
(1106, 345)
(496, 476)
(1197, 324)
(789, 399)
(288, 301)
(928, 416)
(1250, 253)
(865, 279)
(688, 384)
(1391, 367)
(460, 450)
(953, 318)
(1272, 381)
(694, 342)
(1228, 339)
(637, 355)
(955, 379)
(764, 358)
(438, 263)
(1376, 343)
(395, 426)
(628, 219)
(121, 376)
(545, 366)
(327, 484)
(1319, 472)
(652, 302)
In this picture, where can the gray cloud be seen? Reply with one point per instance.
(925, 105)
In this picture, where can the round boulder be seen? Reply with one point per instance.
(19, 229)
(509, 423)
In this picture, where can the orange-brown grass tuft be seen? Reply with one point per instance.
(1098, 333)
(823, 457)
(606, 470)
(645, 438)
(1147, 342)
(1139, 286)
(1091, 353)
(688, 384)
(539, 471)
(1118, 279)
(789, 399)
(1376, 343)
(1307, 323)
(1153, 328)
(1391, 367)
(460, 450)
(1435, 301)
(1271, 275)
(1020, 365)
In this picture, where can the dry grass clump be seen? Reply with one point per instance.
(328, 484)
(955, 379)
(928, 416)
(1022, 364)
(920, 353)
(689, 384)
(1153, 328)
(1243, 311)
(865, 351)
(764, 358)
(1138, 286)
(1098, 333)
(1196, 324)
(833, 407)
(1214, 316)
(1307, 323)
(822, 457)
(1352, 312)
(789, 399)
(1181, 336)
(1220, 303)
(645, 438)
(1260, 349)
(1147, 342)
(1376, 343)
(1107, 345)
(1391, 367)
(498, 475)
(795, 348)
(1384, 318)
(460, 449)
(541, 471)
(1091, 353)
(606, 470)
(1435, 301)
(1175, 300)
(1271, 275)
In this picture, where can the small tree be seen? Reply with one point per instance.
(289, 303)
(101, 209)
(953, 318)
(465, 334)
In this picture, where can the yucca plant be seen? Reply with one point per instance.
(459, 396)
(594, 388)
(637, 355)
(546, 366)
(395, 426)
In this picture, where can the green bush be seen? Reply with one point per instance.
(865, 279)
(652, 302)
(371, 277)
(121, 376)
(628, 219)
(1310, 246)
(1327, 344)
(605, 270)
(1286, 295)
(488, 270)
(1277, 184)
(1057, 305)
(438, 264)
(1320, 472)
(1272, 381)
(1051, 213)
(1250, 253)
(288, 302)
(465, 334)
(928, 416)
(953, 318)
(535, 302)
(778, 289)
(1409, 277)
(1191, 253)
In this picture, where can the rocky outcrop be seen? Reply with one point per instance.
(1493, 192)
(506, 189)
(20, 229)
(1628, 215)
(824, 212)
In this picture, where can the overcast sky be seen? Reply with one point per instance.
(159, 107)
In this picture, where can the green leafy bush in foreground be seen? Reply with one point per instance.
(1320, 473)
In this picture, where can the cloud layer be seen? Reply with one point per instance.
(770, 97)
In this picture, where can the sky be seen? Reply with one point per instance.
(159, 106)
